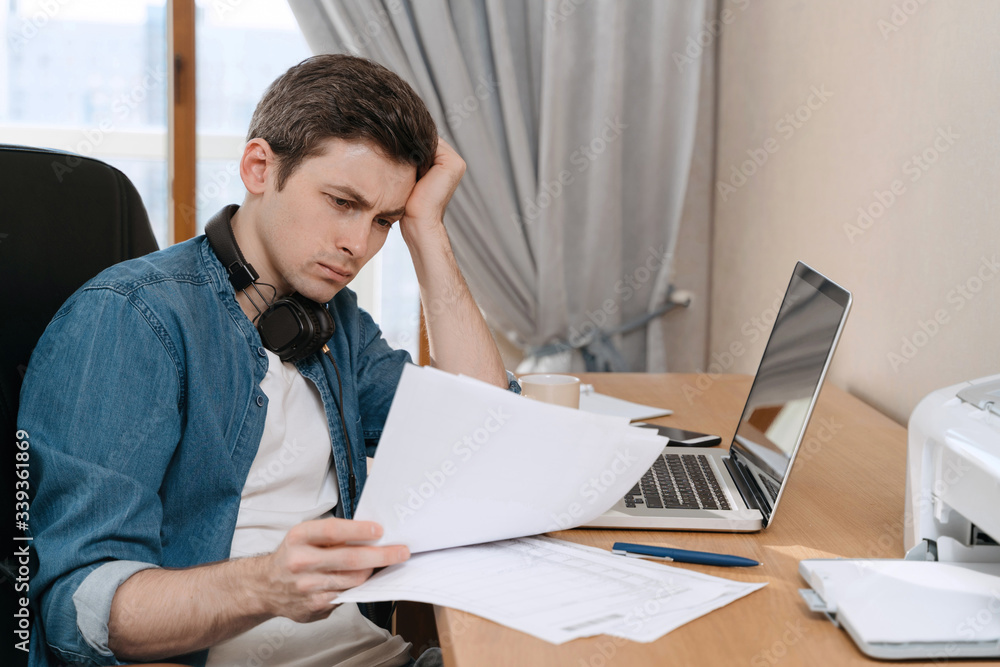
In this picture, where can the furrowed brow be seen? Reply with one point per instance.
(348, 191)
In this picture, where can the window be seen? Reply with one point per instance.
(90, 78)
(241, 48)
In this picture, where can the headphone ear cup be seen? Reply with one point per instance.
(321, 319)
(295, 327)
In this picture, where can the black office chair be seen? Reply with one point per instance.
(64, 219)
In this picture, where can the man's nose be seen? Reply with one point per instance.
(352, 238)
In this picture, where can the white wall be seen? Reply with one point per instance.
(903, 93)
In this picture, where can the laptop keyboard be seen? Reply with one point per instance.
(679, 481)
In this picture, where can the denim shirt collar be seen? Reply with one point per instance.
(219, 276)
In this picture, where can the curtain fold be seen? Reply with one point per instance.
(577, 127)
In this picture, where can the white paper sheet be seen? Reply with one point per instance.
(601, 404)
(463, 462)
(555, 590)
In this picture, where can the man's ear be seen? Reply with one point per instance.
(257, 165)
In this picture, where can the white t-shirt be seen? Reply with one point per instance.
(292, 480)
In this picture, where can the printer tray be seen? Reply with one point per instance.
(904, 610)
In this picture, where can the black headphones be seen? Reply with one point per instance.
(293, 326)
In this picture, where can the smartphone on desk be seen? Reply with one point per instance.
(681, 438)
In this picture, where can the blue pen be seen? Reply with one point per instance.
(680, 555)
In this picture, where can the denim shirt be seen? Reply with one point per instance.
(144, 412)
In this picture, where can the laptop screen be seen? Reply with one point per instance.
(789, 378)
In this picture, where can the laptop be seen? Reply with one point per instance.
(738, 490)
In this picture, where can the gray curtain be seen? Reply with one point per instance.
(577, 121)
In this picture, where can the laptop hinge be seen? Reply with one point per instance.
(747, 487)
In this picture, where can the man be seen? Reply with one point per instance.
(194, 492)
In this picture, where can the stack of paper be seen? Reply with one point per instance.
(464, 462)
(554, 590)
(461, 462)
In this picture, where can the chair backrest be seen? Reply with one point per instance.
(64, 219)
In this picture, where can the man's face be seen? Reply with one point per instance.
(332, 216)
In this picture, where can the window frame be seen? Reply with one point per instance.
(182, 156)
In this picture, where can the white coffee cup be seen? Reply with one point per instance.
(552, 388)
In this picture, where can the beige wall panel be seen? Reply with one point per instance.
(903, 93)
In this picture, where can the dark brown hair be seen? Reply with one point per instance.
(344, 97)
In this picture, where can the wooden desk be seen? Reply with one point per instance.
(845, 500)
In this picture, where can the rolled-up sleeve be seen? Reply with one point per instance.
(92, 600)
(100, 407)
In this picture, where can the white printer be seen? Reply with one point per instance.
(953, 474)
(943, 600)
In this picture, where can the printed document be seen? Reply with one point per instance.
(554, 590)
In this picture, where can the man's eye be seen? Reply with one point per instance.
(385, 224)
(340, 203)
